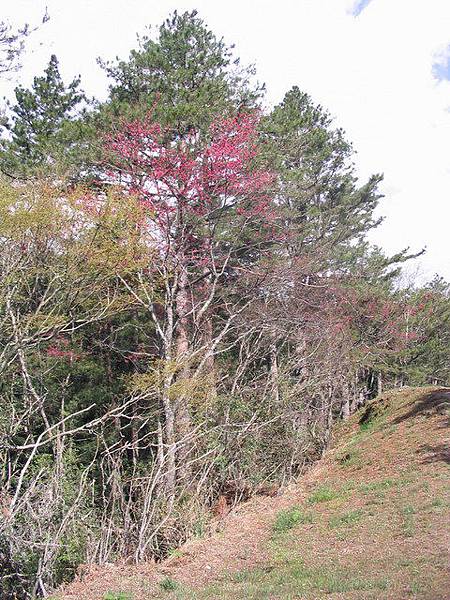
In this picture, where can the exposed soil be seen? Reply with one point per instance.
(377, 526)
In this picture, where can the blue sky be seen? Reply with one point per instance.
(359, 6)
(441, 68)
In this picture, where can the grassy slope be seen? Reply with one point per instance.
(371, 520)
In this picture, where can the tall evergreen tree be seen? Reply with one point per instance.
(186, 76)
(39, 126)
(321, 202)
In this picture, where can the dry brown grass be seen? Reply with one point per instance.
(378, 509)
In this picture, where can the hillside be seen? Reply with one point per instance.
(370, 520)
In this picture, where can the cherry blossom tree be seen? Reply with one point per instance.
(208, 215)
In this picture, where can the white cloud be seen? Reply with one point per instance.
(374, 73)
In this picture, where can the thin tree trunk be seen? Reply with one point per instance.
(345, 410)
(327, 412)
(379, 384)
(210, 367)
(169, 435)
(183, 418)
(169, 416)
(274, 372)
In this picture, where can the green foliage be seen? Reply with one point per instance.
(12, 42)
(427, 358)
(186, 74)
(367, 426)
(291, 578)
(199, 527)
(91, 360)
(40, 127)
(320, 200)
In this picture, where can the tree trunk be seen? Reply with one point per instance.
(379, 384)
(169, 456)
(327, 416)
(345, 410)
(274, 372)
(210, 367)
(182, 415)
(169, 435)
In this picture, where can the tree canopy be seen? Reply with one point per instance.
(188, 303)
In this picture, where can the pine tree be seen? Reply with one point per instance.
(321, 202)
(426, 357)
(39, 127)
(186, 76)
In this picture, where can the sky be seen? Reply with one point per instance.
(381, 67)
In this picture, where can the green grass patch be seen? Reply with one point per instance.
(389, 430)
(437, 504)
(292, 579)
(408, 510)
(241, 576)
(168, 584)
(407, 479)
(351, 459)
(408, 526)
(117, 596)
(199, 528)
(377, 486)
(323, 494)
(367, 426)
(289, 518)
(346, 519)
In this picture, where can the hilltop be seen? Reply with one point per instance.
(370, 520)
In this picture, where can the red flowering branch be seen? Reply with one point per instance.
(186, 186)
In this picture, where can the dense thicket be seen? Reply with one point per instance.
(188, 302)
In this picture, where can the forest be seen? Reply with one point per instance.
(188, 301)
